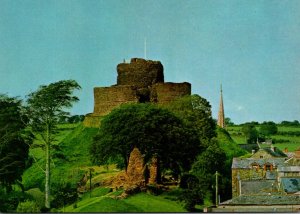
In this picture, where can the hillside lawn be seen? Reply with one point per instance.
(102, 200)
(72, 162)
(286, 137)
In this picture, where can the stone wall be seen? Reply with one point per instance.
(108, 98)
(166, 92)
(140, 73)
(139, 81)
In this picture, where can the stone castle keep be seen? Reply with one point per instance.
(139, 81)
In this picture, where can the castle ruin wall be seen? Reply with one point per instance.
(108, 98)
(163, 93)
(140, 73)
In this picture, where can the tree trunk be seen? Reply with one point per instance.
(47, 173)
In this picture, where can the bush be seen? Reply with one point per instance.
(63, 193)
(28, 207)
(9, 201)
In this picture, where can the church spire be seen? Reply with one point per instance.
(221, 116)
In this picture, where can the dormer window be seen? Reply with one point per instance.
(255, 166)
(268, 167)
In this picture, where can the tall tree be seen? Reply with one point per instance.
(13, 148)
(153, 130)
(249, 132)
(45, 107)
(195, 111)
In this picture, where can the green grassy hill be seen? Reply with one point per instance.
(287, 136)
(72, 161)
(67, 162)
(102, 200)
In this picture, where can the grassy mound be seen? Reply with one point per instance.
(73, 154)
(101, 201)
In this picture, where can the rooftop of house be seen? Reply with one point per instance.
(264, 200)
(290, 185)
(245, 163)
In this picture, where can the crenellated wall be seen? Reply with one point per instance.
(138, 81)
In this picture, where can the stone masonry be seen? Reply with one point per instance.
(139, 81)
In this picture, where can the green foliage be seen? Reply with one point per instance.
(45, 107)
(63, 193)
(28, 207)
(195, 111)
(9, 201)
(37, 195)
(290, 123)
(194, 190)
(74, 143)
(268, 128)
(49, 103)
(13, 144)
(210, 161)
(250, 132)
(228, 122)
(153, 130)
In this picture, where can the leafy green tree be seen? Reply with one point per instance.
(63, 193)
(210, 161)
(194, 191)
(228, 122)
(195, 111)
(268, 128)
(153, 130)
(45, 107)
(249, 132)
(13, 145)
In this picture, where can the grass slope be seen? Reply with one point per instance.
(66, 164)
(287, 136)
(141, 202)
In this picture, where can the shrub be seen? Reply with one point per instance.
(63, 193)
(28, 207)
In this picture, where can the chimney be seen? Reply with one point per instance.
(272, 148)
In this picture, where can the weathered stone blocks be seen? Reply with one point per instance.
(140, 73)
(108, 98)
(139, 81)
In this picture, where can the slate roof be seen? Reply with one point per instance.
(290, 185)
(288, 169)
(264, 200)
(251, 187)
(246, 163)
(276, 153)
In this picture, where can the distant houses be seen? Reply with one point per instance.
(268, 181)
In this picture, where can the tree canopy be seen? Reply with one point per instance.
(153, 130)
(268, 128)
(250, 132)
(195, 111)
(45, 108)
(13, 148)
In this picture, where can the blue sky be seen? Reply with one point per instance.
(252, 47)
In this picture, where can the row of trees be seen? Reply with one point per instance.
(255, 123)
(266, 129)
(38, 118)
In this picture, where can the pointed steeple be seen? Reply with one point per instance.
(221, 115)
